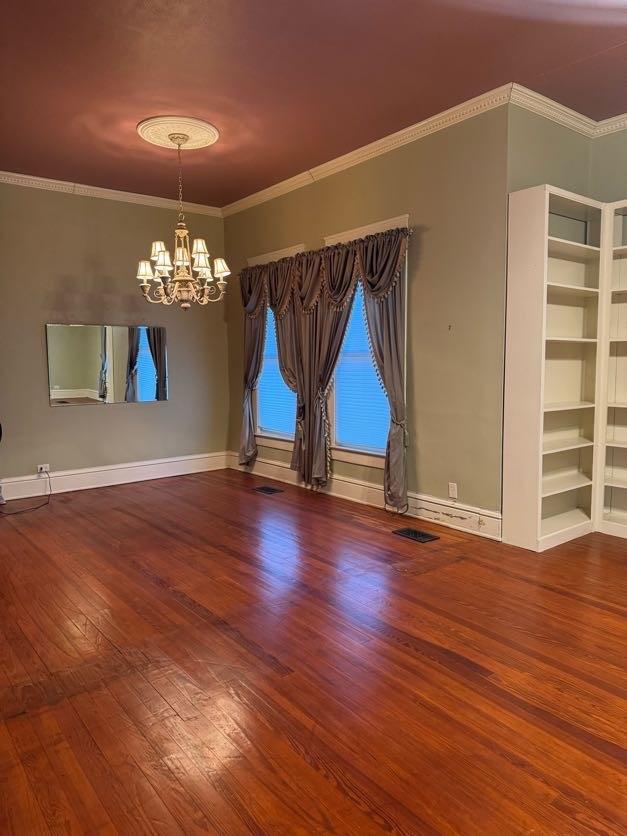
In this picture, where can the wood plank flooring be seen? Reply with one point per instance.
(188, 656)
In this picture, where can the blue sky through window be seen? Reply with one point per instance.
(362, 414)
(146, 373)
(276, 403)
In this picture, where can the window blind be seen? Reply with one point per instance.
(146, 372)
(362, 414)
(276, 403)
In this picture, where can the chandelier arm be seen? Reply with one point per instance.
(152, 301)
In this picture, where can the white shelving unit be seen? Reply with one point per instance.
(565, 417)
(565, 420)
(611, 470)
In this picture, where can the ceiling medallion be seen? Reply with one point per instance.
(192, 280)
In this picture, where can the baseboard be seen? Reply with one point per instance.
(453, 515)
(84, 478)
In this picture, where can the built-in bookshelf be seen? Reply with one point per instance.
(565, 418)
(611, 494)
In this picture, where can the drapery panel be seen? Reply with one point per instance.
(156, 344)
(254, 301)
(130, 395)
(311, 295)
(104, 364)
(386, 332)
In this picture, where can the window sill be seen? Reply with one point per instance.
(341, 454)
(275, 442)
(338, 454)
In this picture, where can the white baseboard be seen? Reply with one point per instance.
(451, 514)
(62, 394)
(20, 487)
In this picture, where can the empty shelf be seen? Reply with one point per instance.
(570, 339)
(615, 516)
(620, 252)
(559, 445)
(564, 405)
(571, 250)
(560, 522)
(616, 482)
(613, 443)
(563, 482)
(571, 289)
(617, 405)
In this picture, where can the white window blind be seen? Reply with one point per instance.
(362, 414)
(276, 403)
(146, 372)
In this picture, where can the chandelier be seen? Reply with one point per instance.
(187, 277)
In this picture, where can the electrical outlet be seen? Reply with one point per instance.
(452, 490)
(43, 468)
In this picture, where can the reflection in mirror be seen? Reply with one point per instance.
(96, 364)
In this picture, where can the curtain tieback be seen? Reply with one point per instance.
(300, 428)
(403, 425)
(322, 400)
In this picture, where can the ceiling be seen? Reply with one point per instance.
(290, 84)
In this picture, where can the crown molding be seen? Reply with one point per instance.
(480, 104)
(536, 103)
(511, 93)
(611, 126)
(507, 94)
(65, 187)
(263, 196)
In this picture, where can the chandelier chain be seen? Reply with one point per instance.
(181, 213)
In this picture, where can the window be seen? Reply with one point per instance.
(276, 403)
(146, 372)
(362, 414)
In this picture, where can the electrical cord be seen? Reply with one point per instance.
(44, 504)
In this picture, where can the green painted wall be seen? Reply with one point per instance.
(453, 184)
(540, 151)
(608, 166)
(70, 258)
(74, 357)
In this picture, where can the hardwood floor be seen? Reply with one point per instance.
(188, 656)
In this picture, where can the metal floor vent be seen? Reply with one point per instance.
(268, 489)
(415, 534)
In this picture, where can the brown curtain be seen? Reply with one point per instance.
(130, 394)
(156, 343)
(282, 301)
(381, 265)
(311, 295)
(253, 289)
(104, 362)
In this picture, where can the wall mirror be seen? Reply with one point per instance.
(98, 364)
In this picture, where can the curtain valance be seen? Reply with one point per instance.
(376, 260)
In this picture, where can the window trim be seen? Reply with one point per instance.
(275, 255)
(276, 442)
